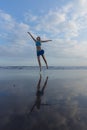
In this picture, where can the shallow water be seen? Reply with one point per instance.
(52, 100)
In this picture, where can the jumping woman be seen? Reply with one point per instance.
(40, 52)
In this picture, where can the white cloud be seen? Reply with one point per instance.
(67, 21)
(51, 21)
(57, 22)
(5, 16)
(15, 38)
(29, 17)
(6, 21)
(13, 31)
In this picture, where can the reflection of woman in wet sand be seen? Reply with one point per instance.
(39, 94)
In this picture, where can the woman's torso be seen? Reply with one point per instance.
(38, 45)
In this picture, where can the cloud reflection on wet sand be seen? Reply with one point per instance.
(63, 105)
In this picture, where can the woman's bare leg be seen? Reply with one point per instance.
(38, 57)
(45, 61)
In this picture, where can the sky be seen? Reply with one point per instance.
(62, 21)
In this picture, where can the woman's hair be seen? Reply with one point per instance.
(38, 38)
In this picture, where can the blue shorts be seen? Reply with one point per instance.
(41, 52)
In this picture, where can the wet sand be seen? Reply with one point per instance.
(52, 100)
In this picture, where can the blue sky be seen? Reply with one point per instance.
(63, 21)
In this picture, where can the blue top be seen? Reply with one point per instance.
(38, 43)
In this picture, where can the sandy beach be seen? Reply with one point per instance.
(50, 100)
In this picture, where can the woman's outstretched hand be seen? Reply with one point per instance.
(28, 32)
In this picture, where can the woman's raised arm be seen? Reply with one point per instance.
(31, 36)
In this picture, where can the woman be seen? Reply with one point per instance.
(40, 52)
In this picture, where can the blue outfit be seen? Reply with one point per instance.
(38, 43)
(39, 52)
